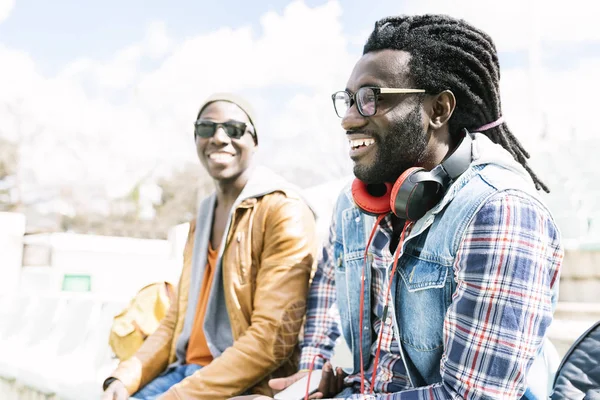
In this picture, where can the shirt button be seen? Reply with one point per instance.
(388, 320)
(357, 219)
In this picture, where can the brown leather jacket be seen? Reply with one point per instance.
(266, 284)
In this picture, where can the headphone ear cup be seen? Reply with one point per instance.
(401, 192)
(372, 199)
(414, 193)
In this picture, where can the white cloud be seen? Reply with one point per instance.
(361, 38)
(286, 53)
(157, 43)
(18, 73)
(565, 157)
(107, 123)
(310, 140)
(564, 98)
(124, 69)
(514, 24)
(6, 7)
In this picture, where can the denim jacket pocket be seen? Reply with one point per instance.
(423, 294)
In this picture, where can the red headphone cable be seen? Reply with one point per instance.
(310, 370)
(385, 308)
(362, 303)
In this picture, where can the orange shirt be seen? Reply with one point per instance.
(198, 351)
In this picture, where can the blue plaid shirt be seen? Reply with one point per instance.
(508, 264)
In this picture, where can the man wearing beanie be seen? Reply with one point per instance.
(242, 291)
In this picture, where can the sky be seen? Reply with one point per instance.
(101, 94)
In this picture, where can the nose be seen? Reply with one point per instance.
(352, 120)
(220, 136)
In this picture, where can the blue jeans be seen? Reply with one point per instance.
(349, 391)
(164, 382)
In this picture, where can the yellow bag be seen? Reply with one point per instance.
(140, 318)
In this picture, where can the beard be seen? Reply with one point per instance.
(400, 148)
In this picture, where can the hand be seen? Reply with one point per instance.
(331, 382)
(330, 385)
(115, 391)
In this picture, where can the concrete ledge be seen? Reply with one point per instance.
(577, 290)
(568, 310)
(10, 390)
(581, 264)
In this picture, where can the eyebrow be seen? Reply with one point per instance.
(371, 84)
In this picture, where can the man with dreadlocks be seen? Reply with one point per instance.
(449, 292)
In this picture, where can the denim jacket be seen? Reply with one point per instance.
(425, 284)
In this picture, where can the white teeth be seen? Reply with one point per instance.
(356, 143)
(219, 157)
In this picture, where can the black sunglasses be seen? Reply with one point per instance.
(233, 129)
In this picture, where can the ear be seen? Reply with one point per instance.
(442, 107)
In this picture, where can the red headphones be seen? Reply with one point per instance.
(417, 190)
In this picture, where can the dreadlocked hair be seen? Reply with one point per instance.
(450, 54)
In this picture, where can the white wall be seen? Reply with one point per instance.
(12, 228)
(118, 266)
